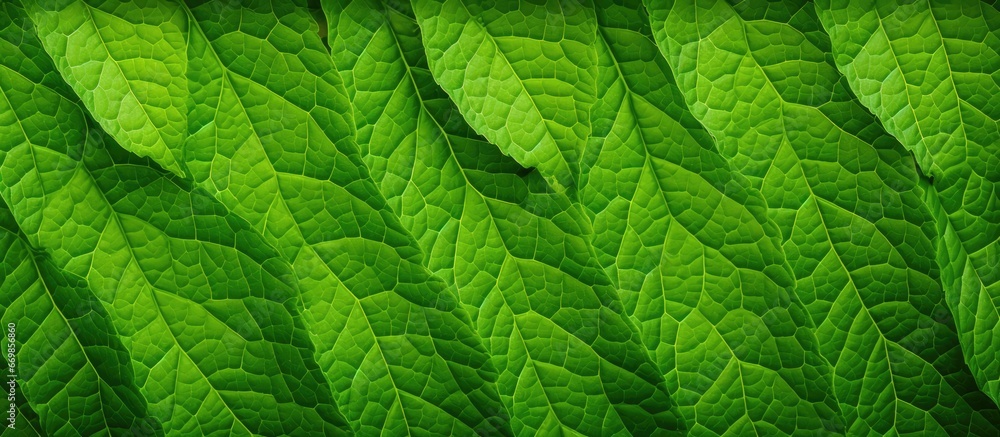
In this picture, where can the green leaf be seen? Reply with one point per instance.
(524, 76)
(29, 429)
(844, 193)
(132, 75)
(570, 362)
(928, 71)
(206, 308)
(26, 422)
(71, 366)
(696, 260)
(270, 134)
(541, 217)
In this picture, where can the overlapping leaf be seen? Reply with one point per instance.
(207, 310)
(928, 70)
(569, 360)
(269, 132)
(67, 353)
(760, 78)
(522, 73)
(698, 264)
(684, 220)
(134, 76)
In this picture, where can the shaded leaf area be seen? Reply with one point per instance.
(26, 422)
(66, 350)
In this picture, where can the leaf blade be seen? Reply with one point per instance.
(847, 199)
(523, 77)
(935, 99)
(63, 335)
(138, 92)
(515, 249)
(105, 215)
(697, 261)
(269, 134)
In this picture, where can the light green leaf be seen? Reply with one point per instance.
(570, 362)
(760, 78)
(928, 70)
(131, 72)
(696, 260)
(523, 74)
(270, 134)
(70, 364)
(206, 308)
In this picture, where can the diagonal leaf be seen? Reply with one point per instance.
(696, 260)
(270, 134)
(928, 70)
(569, 361)
(845, 195)
(208, 311)
(523, 74)
(133, 75)
(71, 366)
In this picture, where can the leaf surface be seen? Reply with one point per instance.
(845, 195)
(928, 71)
(270, 134)
(66, 349)
(206, 308)
(570, 361)
(697, 262)
(523, 74)
(131, 75)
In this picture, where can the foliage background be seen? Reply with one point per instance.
(555, 217)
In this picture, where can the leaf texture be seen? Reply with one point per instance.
(532, 217)
(270, 134)
(523, 74)
(207, 310)
(760, 77)
(697, 262)
(928, 71)
(570, 361)
(134, 82)
(26, 423)
(67, 351)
